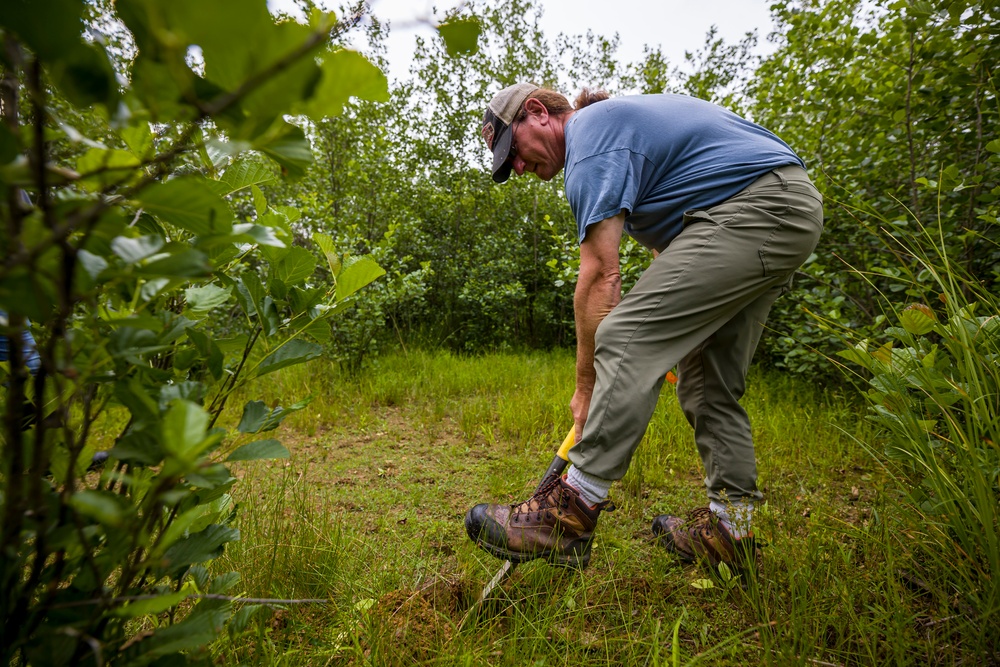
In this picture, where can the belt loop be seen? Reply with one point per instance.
(781, 177)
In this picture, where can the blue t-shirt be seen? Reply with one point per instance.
(657, 156)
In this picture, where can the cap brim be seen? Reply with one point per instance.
(503, 173)
(501, 151)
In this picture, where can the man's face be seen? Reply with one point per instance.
(536, 147)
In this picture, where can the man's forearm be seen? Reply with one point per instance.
(596, 294)
(598, 290)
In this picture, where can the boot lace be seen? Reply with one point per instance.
(541, 500)
(701, 519)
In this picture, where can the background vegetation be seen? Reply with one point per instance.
(185, 226)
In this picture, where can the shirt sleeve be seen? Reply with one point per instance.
(603, 185)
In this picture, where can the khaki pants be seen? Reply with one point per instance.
(701, 306)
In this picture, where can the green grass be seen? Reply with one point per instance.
(367, 514)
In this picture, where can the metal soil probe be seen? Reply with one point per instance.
(556, 468)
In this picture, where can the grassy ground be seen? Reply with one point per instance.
(367, 514)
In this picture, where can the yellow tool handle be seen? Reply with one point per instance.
(561, 458)
(567, 444)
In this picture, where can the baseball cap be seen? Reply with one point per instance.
(500, 113)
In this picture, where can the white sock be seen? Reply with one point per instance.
(592, 489)
(736, 517)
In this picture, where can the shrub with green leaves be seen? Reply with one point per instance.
(934, 390)
(891, 105)
(157, 280)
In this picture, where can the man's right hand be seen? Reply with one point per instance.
(580, 406)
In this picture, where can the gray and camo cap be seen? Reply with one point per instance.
(500, 113)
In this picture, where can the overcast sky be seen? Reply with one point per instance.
(675, 26)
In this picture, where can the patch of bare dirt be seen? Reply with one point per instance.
(416, 623)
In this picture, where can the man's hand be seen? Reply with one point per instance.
(580, 406)
(598, 290)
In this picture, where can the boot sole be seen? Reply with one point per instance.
(576, 561)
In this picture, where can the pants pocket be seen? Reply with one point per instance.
(720, 214)
(696, 215)
(791, 241)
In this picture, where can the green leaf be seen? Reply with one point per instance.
(297, 265)
(189, 203)
(50, 38)
(918, 319)
(134, 250)
(232, 35)
(259, 200)
(261, 449)
(241, 619)
(319, 329)
(356, 273)
(289, 214)
(100, 167)
(209, 350)
(257, 417)
(134, 345)
(156, 605)
(17, 284)
(302, 300)
(104, 507)
(253, 294)
(347, 74)
(138, 138)
(260, 234)
(270, 319)
(214, 478)
(279, 221)
(224, 583)
(243, 233)
(245, 173)
(131, 393)
(139, 446)
(198, 548)
(187, 263)
(461, 36)
(702, 584)
(329, 250)
(288, 92)
(170, 642)
(201, 300)
(293, 352)
(85, 76)
(239, 40)
(157, 85)
(188, 390)
(92, 264)
(195, 520)
(290, 149)
(255, 414)
(184, 429)
(858, 355)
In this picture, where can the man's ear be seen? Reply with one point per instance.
(534, 107)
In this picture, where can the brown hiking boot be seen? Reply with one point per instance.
(554, 524)
(701, 536)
